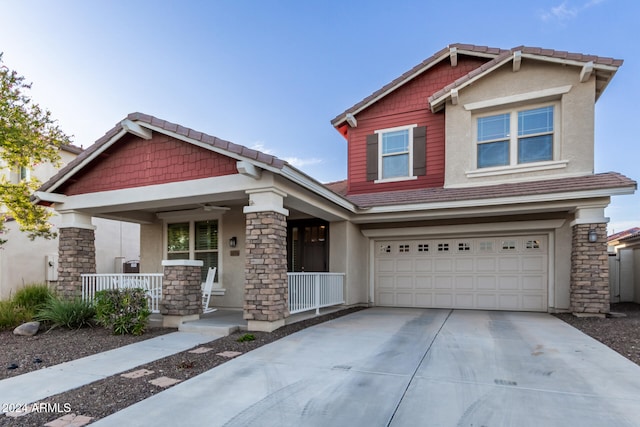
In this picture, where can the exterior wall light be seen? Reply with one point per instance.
(593, 236)
(233, 242)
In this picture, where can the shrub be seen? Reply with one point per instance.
(124, 311)
(246, 337)
(12, 315)
(72, 314)
(32, 297)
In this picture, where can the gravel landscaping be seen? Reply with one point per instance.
(112, 394)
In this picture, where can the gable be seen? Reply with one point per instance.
(136, 162)
(405, 106)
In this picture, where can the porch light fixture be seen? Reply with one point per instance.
(233, 242)
(593, 236)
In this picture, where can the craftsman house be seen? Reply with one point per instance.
(470, 185)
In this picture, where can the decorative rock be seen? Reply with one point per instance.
(28, 329)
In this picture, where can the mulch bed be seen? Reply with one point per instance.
(102, 398)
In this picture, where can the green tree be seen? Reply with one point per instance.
(28, 136)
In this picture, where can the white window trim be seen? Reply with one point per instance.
(192, 219)
(396, 178)
(514, 166)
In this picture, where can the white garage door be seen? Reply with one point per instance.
(494, 273)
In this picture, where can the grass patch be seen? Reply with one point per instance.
(12, 315)
(71, 314)
(32, 297)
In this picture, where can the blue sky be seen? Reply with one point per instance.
(272, 74)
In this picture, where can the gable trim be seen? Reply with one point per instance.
(505, 100)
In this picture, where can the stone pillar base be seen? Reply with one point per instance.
(176, 321)
(264, 326)
(599, 315)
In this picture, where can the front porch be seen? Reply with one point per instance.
(306, 291)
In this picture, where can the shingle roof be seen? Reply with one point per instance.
(338, 187)
(213, 141)
(609, 180)
(496, 54)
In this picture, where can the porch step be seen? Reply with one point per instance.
(207, 329)
(221, 321)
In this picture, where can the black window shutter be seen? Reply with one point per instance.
(420, 151)
(372, 157)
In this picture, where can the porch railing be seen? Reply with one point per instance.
(312, 291)
(151, 283)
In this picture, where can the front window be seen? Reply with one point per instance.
(516, 137)
(197, 240)
(395, 154)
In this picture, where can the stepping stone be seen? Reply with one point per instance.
(137, 374)
(70, 420)
(200, 350)
(164, 381)
(230, 354)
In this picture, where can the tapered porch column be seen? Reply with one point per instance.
(589, 263)
(266, 285)
(76, 253)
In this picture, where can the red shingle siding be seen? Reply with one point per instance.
(406, 105)
(135, 162)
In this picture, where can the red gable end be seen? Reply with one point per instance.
(135, 162)
(406, 105)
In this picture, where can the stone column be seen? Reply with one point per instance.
(181, 292)
(76, 253)
(589, 294)
(266, 284)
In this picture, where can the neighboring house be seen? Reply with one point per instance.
(24, 262)
(624, 265)
(470, 185)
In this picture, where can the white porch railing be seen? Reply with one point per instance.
(151, 283)
(312, 291)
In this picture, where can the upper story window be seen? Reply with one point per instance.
(396, 154)
(515, 137)
(25, 174)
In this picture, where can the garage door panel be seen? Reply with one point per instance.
(441, 300)
(464, 282)
(464, 300)
(404, 282)
(486, 301)
(424, 282)
(463, 265)
(508, 301)
(486, 283)
(424, 299)
(493, 273)
(532, 263)
(404, 266)
(533, 283)
(443, 282)
(404, 299)
(486, 264)
(386, 265)
(443, 265)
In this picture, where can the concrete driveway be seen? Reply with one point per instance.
(410, 367)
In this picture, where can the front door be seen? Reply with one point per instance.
(308, 245)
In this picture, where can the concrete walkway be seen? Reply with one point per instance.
(37, 385)
(408, 367)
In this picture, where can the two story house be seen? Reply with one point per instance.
(470, 185)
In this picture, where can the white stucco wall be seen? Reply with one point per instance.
(348, 253)
(574, 120)
(22, 261)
